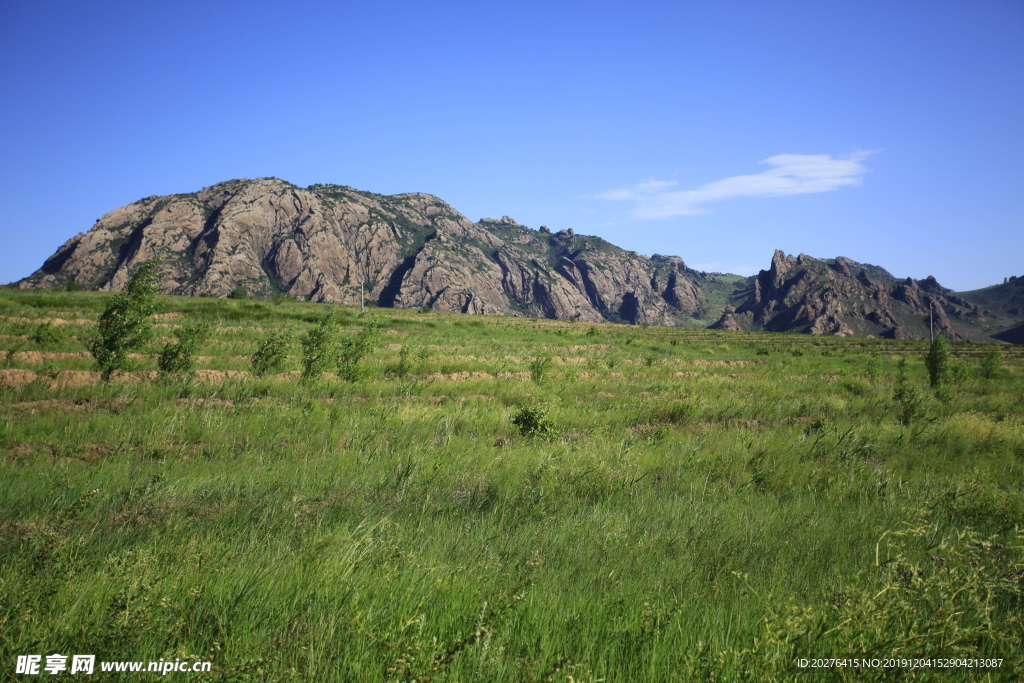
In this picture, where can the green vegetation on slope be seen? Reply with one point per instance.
(661, 504)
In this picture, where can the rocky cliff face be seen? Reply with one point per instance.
(842, 297)
(410, 250)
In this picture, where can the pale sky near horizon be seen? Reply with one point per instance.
(885, 131)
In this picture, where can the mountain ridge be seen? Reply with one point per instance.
(334, 243)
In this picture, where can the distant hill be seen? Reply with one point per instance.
(843, 297)
(413, 250)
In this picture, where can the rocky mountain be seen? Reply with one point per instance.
(845, 298)
(321, 243)
(411, 250)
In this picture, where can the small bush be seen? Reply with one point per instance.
(124, 326)
(874, 367)
(239, 292)
(959, 372)
(404, 365)
(937, 360)
(354, 348)
(179, 358)
(49, 334)
(271, 354)
(318, 348)
(533, 421)
(72, 286)
(909, 404)
(991, 362)
(538, 368)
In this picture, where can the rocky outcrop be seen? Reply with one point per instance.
(325, 243)
(411, 250)
(844, 298)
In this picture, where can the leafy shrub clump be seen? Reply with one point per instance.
(538, 368)
(909, 404)
(271, 354)
(992, 362)
(533, 421)
(874, 367)
(404, 365)
(179, 358)
(49, 334)
(318, 348)
(937, 361)
(354, 348)
(124, 326)
(239, 292)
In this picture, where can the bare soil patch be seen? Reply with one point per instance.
(16, 379)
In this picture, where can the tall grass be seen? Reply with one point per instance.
(678, 520)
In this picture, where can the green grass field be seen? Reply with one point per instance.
(691, 505)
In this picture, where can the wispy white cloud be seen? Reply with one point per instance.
(792, 174)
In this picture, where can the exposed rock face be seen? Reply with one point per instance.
(411, 250)
(845, 298)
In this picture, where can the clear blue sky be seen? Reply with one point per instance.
(890, 132)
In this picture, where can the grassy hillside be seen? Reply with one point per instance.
(1003, 305)
(507, 499)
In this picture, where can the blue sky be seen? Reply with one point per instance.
(888, 132)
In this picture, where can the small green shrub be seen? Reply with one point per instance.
(49, 334)
(179, 358)
(533, 421)
(239, 292)
(937, 360)
(959, 372)
(124, 325)
(354, 348)
(538, 368)
(874, 367)
(72, 286)
(909, 404)
(318, 348)
(271, 354)
(978, 502)
(991, 362)
(404, 365)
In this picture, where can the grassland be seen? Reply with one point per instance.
(700, 505)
